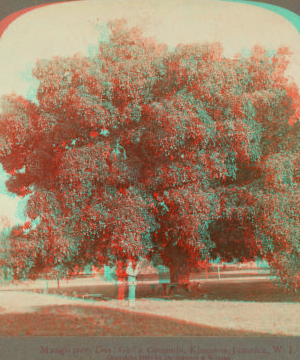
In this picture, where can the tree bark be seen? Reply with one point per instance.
(174, 274)
(179, 276)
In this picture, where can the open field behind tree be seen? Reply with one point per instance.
(148, 274)
(143, 280)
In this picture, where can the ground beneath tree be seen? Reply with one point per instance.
(222, 309)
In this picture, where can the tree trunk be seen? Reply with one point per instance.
(179, 276)
(174, 275)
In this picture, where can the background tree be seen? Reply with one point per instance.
(141, 150)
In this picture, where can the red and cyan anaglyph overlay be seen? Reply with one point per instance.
(141, 153)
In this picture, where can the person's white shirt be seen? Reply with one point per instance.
(132, 273)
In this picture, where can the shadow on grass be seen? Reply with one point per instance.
(255, 291)
(88, 320)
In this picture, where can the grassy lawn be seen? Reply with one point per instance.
(244, 308)
(81, 320)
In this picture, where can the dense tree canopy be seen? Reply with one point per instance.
(141, 150)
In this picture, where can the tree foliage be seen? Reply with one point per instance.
(141, 150)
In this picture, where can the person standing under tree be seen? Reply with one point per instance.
(132, 274)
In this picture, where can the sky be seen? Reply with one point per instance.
(71, 28)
